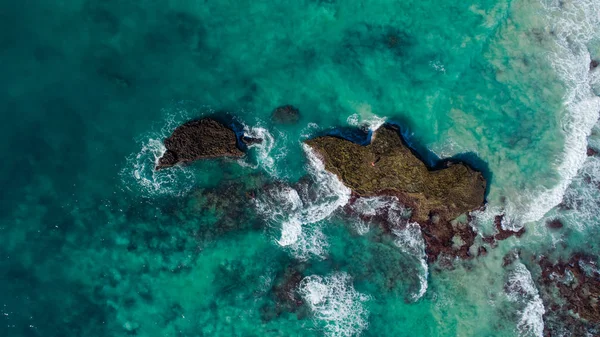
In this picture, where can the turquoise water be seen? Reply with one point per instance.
(93, 242)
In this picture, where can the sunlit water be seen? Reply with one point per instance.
(94, 242)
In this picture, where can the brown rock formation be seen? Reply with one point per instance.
(388, 167)
(199, 139)
(286, 114)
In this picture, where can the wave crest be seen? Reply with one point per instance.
(336, 303)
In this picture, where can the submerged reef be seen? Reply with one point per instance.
(387, 166)
(571, 292)
(199, 139)
(286, 114)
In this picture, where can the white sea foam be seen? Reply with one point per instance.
(387, 206)
(410, 240)
(140, 166)
(372, 206)
(574, 23)
(300, 219)
(408, 234)
(521, 289)
(336, 303)
(264, 149)
(364, 117)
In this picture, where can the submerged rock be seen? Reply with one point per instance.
(199, 139)
(554, 224)
(572, 289)
(502, 233)
(286, 114)
(388, 167)
(591, 152)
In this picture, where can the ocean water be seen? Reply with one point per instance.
(94, 242)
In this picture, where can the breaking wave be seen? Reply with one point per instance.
(336, 304)
(408, 234)
(521, 289)
(264, 157)
(139, 171)
(299, 209)
(410, 240)
(574, 23)
(365, 118)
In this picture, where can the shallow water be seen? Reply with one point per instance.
(94, 242)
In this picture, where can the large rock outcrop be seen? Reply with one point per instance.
(387, 166)
(199, 139)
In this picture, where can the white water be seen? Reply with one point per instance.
(365, 118)
(300, 219)
(575, 23)
(336, 304)
(408, 234)
(583, 196)
(410, 240)
(521, 289)
(140, 166)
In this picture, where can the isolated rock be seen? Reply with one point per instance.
(572, 289)
(502, 233)
(286, 114)
(199, 139)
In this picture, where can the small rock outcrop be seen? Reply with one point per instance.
(387, 166)
(286, 114)
(199, 139)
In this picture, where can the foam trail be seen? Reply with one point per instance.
(334, 302)
(365, 118)
(574, 22)
(299, 218)
(387, 206)
(583, 196)
(410, 240)
(140, 166)
(263, 149)
(521, 289)
(408, 234)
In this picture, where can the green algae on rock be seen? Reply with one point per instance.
(387, 166)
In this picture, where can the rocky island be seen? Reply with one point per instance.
(387, 166)
(199, 139)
